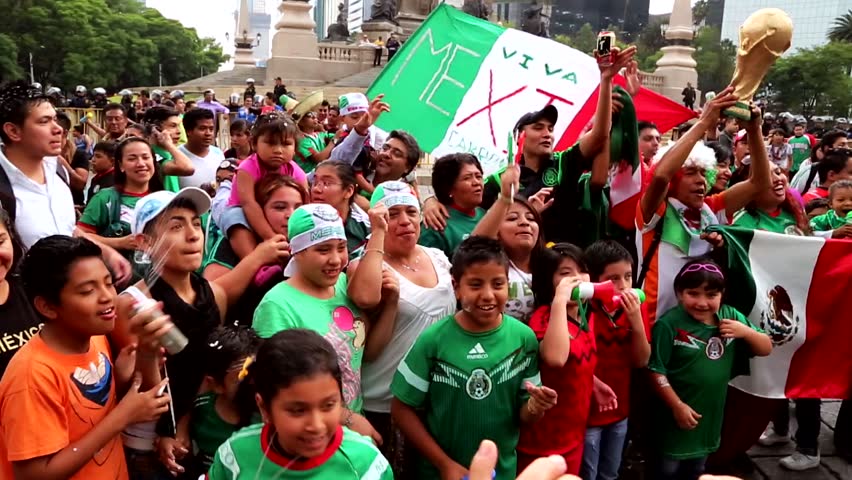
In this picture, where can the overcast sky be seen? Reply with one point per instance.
(213, 18)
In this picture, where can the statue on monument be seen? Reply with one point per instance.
(534, 21)
(477, 8)
(339, 31)
(384, 11)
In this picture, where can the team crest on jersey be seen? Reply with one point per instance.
(778, 319)
(715, 348)
(550, 177)
(478, 384)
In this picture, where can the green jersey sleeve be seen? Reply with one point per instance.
(531, 373)
(825, 222)
(218, 470)
(435, 239)
(270, 318)
(96, 214)
(411, 382)
(741, 365)
(662, 340)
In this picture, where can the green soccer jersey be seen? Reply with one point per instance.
(317, 142)
(337, 319)
(459, 226)
(170, 182)
(208, 429)
(698, 363)
(100, 213)
(801, 150)
(782, 222)
(248, 455)
(471, 386)
(827, 221)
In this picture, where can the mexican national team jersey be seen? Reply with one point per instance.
(337, 319)
(698, 363)
(801, 150)
(780, 221)
(248, 455)
(471, 386)
(98, 215)
(827, 221)
(459, 226)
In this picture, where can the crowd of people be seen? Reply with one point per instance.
(318, 316)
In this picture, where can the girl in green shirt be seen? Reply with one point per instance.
(315, 145)
(109, 214)
(334, 184)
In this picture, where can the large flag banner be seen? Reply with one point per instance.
(460, 84)
(794, 288)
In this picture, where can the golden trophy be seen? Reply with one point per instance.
(765, 36)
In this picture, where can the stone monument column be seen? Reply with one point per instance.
(243, 56)
(412, 13)
(677, 67)
(294, 46)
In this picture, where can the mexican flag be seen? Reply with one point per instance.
(794, 288)
(460, 84)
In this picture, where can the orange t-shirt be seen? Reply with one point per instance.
(49, 400)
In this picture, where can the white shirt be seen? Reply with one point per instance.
(205, 167)
(419, 308)
(40, 210)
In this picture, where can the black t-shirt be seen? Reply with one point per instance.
(80, 160)
(100, 182)
(18, 322)
(562, 221)
(196, 322)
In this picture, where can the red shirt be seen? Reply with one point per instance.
(562, 430)
(818, 192)
(615, 366)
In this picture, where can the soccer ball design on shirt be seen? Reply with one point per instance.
(479, 383)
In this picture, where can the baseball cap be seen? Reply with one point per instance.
(742, 136)
(393, 193)
(549, 113)
(209, 90)
(353, 103)
(311, 225)
(229, 164)
(149, 206)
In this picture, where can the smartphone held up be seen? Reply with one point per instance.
(606, 40)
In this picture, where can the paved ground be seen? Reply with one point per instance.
(833, 467)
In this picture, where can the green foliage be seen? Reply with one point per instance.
(813, 81)
(716, 60)
(9, 69)
(842, 29)
(584, 40)
(700, 11)
(648, 43)
(102, 43)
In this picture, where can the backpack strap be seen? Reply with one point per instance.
(7, 195)
(646, 260)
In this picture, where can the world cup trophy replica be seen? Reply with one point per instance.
(764, 37)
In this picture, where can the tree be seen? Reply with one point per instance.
(700, 11)
(102, 43)
(716, 59)
(813, 81)
(842, 29)
(9, 69)
(585, 40)
(648, 43)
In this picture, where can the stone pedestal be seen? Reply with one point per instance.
(677, 67)
(382, 28)
(409, 22)
(243, 57)
(294, 46)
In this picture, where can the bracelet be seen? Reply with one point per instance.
(368, 250)
(348, 422)
(505, 199)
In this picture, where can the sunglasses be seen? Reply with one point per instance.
(707, 267)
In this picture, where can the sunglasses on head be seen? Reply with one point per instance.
(708, 267)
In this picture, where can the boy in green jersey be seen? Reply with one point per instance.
(696, 349)
(470, 376)
(299, 393)
(840, 204)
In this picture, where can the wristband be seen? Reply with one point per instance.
(374, 250)
(348, 422)
(505, 199)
